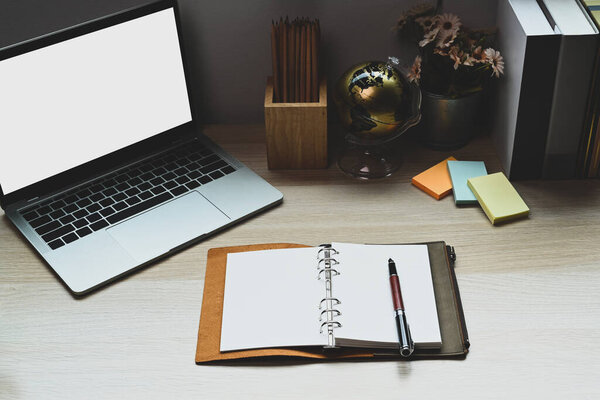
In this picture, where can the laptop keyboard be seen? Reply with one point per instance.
(122, 194)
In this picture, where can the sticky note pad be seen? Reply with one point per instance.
(459, 172)
(498, 198)
(435, 181)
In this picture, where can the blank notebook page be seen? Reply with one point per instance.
(271, 300)
(363, 286)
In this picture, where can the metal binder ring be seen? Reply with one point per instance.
(330, 325)
(331, 249)
(332, 261)
(335, 272)
(337, 313)
(337, 302)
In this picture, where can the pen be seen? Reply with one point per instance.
(405, 341)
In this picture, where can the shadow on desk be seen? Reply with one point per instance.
(573, 193)
(279, 361)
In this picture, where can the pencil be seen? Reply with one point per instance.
(314, 63)
(303, 62)
(308, 64)
(291, 61)
(297, 61)
(284, 73)
(280, 43)
(274, 60)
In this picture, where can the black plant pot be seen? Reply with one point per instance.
(449, 123)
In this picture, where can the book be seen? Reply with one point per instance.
(459, 172)
(455, 341)
(498, 197)
(588, 159)
(525, 92)
(435, 181)
(578, 47)
(337, 296)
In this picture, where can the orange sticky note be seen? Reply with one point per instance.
(436, 180)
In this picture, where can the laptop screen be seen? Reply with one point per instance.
(77, 100)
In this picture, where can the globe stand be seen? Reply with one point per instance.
(376, 103)
(369, 161)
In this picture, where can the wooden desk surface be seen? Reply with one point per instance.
(530, 290)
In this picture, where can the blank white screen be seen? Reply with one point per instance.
(74, 101)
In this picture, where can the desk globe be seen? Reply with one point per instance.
(376, 104)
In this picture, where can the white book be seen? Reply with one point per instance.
(579, 41)
(530, 47)
(272, 298)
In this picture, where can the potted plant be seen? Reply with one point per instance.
(454, 67)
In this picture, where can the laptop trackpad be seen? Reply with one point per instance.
(169, 225)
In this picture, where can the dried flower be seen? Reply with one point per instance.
(441, 51)
(456, 55)
(454, 60)
(429, 37)
(419, 10)
(494, 58)
(476, 57)
(415, 71)
(478, 54)
(401, 22)
(427, 22)
(449, 25)
(416, 12)
(469, 60)
(445, 41)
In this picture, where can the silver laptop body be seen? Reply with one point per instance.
(108, 103)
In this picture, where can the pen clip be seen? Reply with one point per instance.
(451, 254)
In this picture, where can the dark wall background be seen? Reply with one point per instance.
(228, 41)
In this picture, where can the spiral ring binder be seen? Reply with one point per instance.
(324, 265)
(327, 247)
(335, 272)
(330, 325)
(337, 313)
(329, 299)
(331, 260)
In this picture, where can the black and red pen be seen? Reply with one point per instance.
(405, 340)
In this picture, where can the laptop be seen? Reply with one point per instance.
(103, 168)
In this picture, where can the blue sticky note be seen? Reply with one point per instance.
(459, 172)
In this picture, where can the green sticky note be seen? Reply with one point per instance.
(498, 198)
(459, 172)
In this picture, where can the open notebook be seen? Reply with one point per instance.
(272, 297)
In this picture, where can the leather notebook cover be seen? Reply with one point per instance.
(454, 337)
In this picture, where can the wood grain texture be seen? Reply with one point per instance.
(296, 133)
(530, 291)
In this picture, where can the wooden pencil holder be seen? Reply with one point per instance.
(296, 132)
